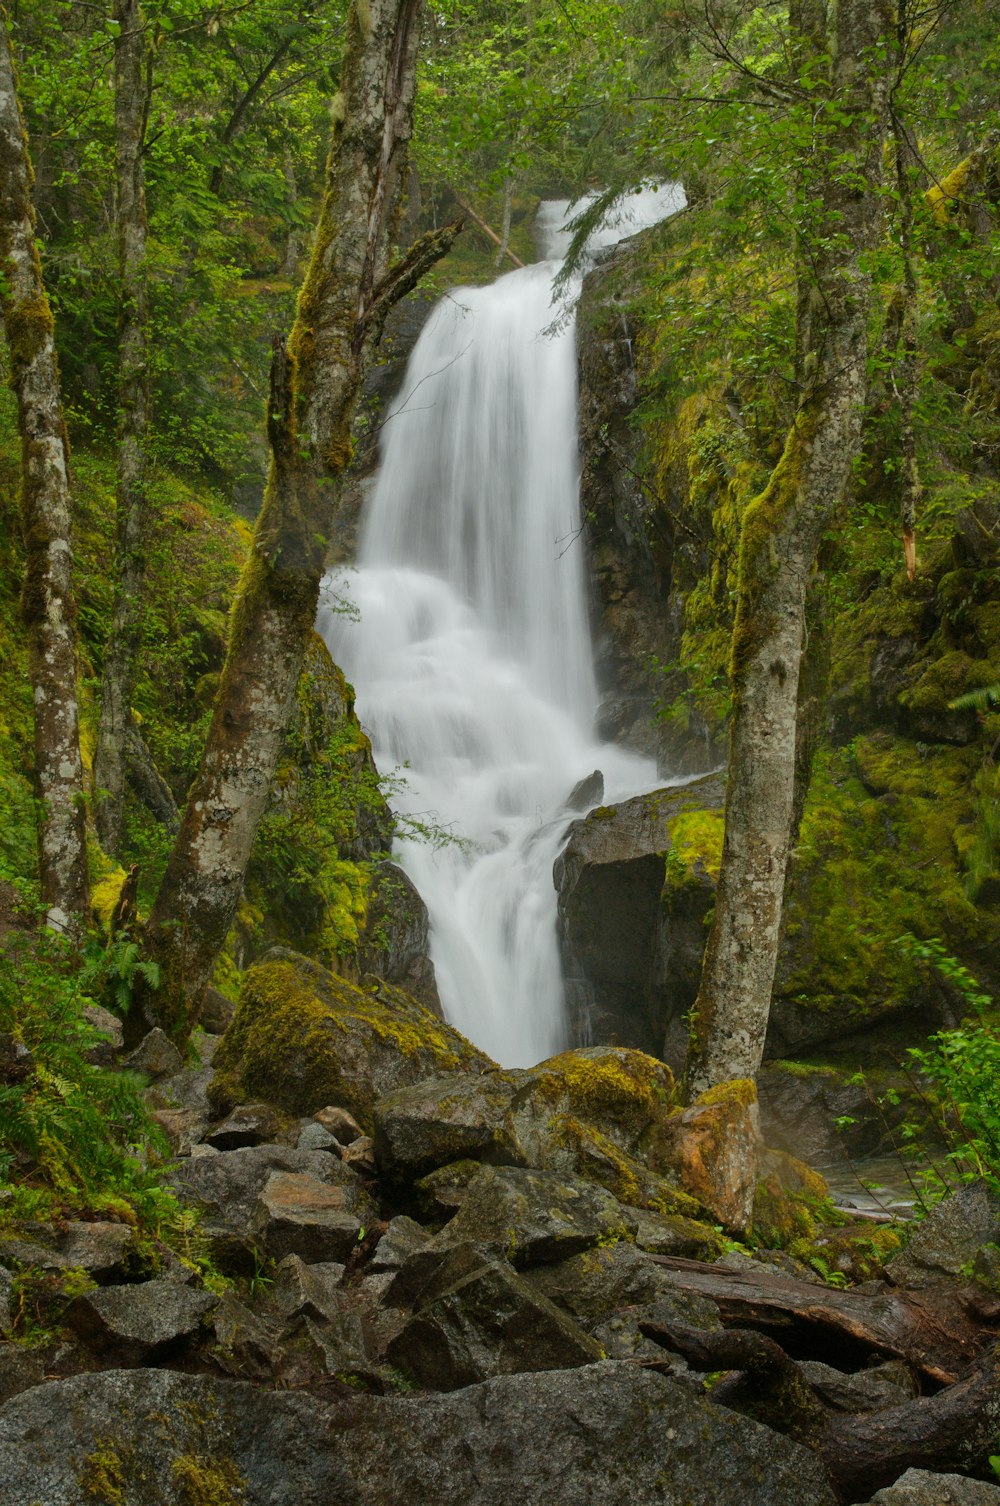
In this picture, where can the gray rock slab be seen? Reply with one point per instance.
(920, 1487)
(949, 1239)
(887, 1385)
(445, 1119)
(311, 1291)
(101, 1248)
(297, 1214)
(248, 1124)
(140, 1323)
(156, 1055)
(597, 1436)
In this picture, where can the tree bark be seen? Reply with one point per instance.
(782, 531)
(48, 605)
(116, 730)
(315, 385)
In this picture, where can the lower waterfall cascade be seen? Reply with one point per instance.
(470, 650)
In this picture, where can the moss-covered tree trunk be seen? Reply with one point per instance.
(116, 732)
(315, 384)
(45, 512)
(840, 208)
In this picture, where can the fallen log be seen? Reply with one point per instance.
(952, 1431)
(487, 230)
(939, 1331)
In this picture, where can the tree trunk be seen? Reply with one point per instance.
(132, 92)
(782, 531)
(315, 384)
(49, 609)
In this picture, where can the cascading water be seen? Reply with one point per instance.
(471, 655)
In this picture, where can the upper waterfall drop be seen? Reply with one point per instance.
(471, 657)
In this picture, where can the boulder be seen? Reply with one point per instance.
(402, 1239)
(603, 1433)
(245, 1346)
(109, 1028)
(475, 1318)
(714, 1147)
(226, 1187)
(674, 1234)
(920, 1487)
(313, 1136)
(532, 1217)
(447, 1119)
(155, 1056)
(887, 1385)
(610, 879)
(594, 1285)
(297, 1214)
(182, 1127)
(303, 1037)
(360, 1156)
(311, 1291)
(948, 1240)
(339, 1123)
(248, 1124)
(141, 1324)
(104, 1250)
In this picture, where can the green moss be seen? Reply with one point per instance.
(303, 1038)
(740, 1092)
(102, 1477)
(613, 1087)
(696, 840)
(208, 1482)
(780, 1218)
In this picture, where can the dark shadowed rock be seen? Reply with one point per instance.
(887, 1385)
(248, 1124)
(587, 793)
(311, 1291)
(475, 1318)
(949, 1239)
(110, 1028)
(245, 1346)
(532, 1217)
(394, 943)
(603, 1434)
(140, 1324)
(610, 878)
(156, 1056)
(604, 1280)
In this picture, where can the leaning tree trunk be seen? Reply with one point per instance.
(132, 88)
(315, 384)
(782, 532)
(45, 510)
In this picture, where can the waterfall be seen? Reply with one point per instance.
(471, 652)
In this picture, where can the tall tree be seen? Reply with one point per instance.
(120, 747)
(45, 510)
(843, 67)
(315, 384)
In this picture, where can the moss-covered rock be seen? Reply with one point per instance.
(302, 1038)
(713, 1147)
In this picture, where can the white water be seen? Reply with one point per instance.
(472, 658)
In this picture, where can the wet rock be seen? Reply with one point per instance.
(607, 1432)
(947, 1242)
(673, 1234)
(104, 1250)
(531, 1217)
(447, 1119)
(587, 793)
(441, 1193)
(248, 1124)
(303, 1038)
(155, 1056)
(402, 1239)
(245, 1346)
(310, 1291)
(297, 1214)
(360, 1156)
(226, 1187)
(110, 1027)
(715, 1148)
(140, 1324)
(339, 1123)
(610, 879)
(887, 1385)
(475, 1318)
(216, 1012)
(394, 943)
(313, 1136)
(593, 1285)
(920, 1487)
(182, 1127)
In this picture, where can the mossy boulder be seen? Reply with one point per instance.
(714, 1147)
(303, 1038)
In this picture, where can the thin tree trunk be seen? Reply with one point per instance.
(782, 531)
(315, 384)
(508, 204)
(49, 609)
(132, 92)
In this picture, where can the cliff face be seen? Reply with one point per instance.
(899, 834)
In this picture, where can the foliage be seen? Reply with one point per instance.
(73, 1131)
(962, 1069)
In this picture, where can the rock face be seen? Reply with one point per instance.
(626, 957)
(949, 1239)
(304, 1038)
(919, 1487)
(394, 942)
(606, 1432)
